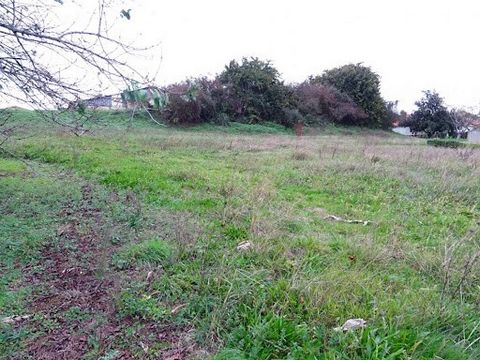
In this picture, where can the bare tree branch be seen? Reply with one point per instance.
(40, 62)
(46, 64)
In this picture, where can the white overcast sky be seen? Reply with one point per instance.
(413, 45)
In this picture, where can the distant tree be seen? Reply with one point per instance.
(361, 84)
(392, 114)
(257, 90)
(403, 118)
(463, 121)
(432, 117)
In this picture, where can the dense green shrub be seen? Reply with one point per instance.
(317, 102)
(362, 85)
(253, 91)
(291, 117)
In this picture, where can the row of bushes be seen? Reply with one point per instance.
(451, 143)
(252, 91)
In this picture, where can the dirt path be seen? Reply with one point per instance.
(76, 280)
(69, 280)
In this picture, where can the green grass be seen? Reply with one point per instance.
(140, 306)
(200, 195)
(240, 128)
(153, 252)
(11, 167)
(93, 119)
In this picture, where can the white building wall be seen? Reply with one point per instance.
(474, 136)
(402, 130)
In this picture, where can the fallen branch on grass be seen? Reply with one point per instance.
(338, 218)
(16, 318)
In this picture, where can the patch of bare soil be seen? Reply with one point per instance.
(75, 276)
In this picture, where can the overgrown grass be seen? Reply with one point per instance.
(240, 128)
(306, 272)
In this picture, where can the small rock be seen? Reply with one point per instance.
(352, 324)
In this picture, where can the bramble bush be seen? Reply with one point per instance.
(318, 102)
(189, 102)
(362, 85)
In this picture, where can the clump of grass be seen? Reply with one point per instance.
(153, 252)
(140, 306)
(271, 337)
(234, 233)
(75, 313)
(301, 155)
(11, 167)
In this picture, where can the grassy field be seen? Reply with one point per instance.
(122, 243)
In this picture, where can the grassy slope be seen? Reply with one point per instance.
(202, 193)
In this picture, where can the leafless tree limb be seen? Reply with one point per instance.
(29, 45)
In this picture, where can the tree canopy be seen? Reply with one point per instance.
(432, 117)
(257, 86)
(361, 84)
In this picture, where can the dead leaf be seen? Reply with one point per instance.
(244, 246)
(177, 308)
(351, 324)
(65, 229)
